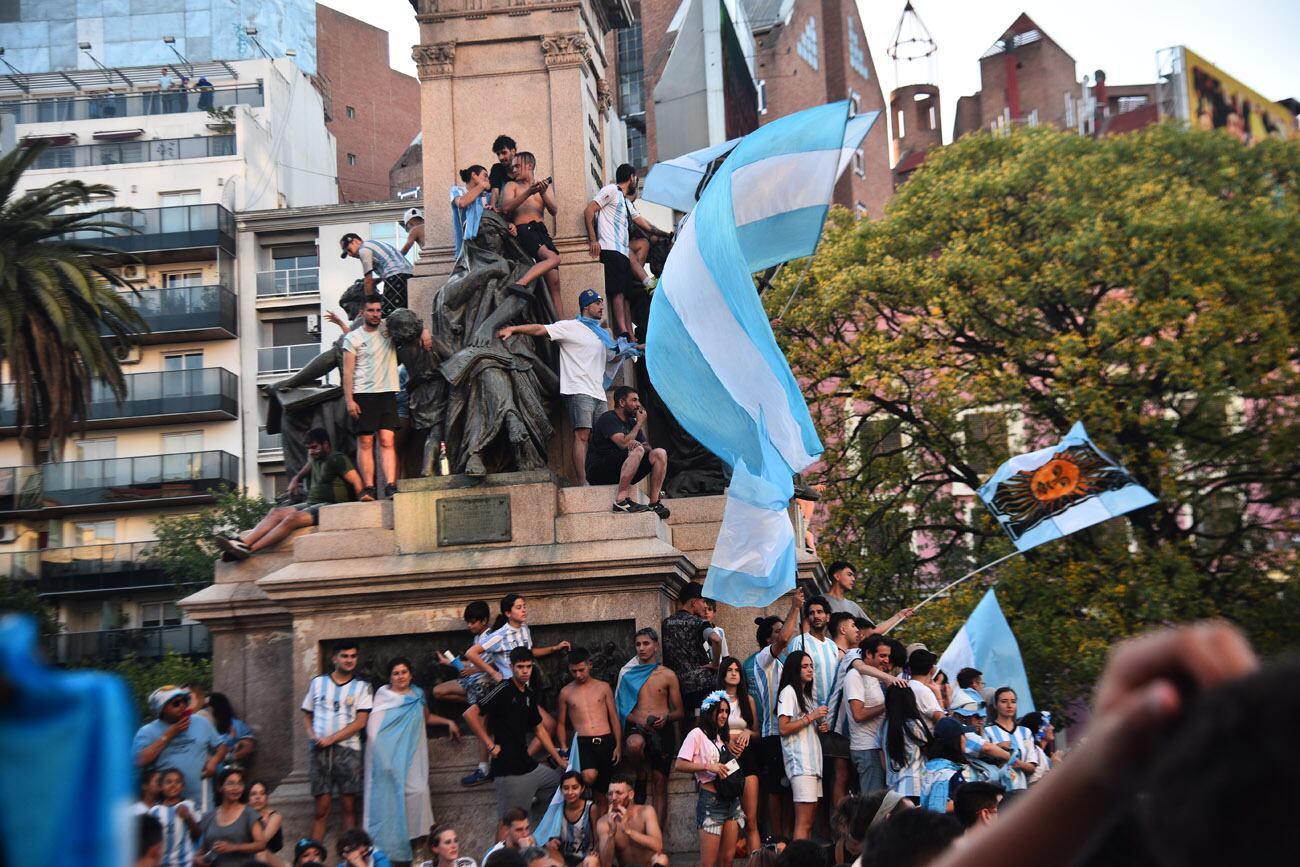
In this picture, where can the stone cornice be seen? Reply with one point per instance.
(566, 49)
(434, 60)
(437, 11)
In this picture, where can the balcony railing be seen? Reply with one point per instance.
(110, 106)
(203, 394)
(116, 482)
(122, 153)
(204, 311)
(285, 359)
(20, 565)
(268, 443)
(280, 284)
(82, 569)
(187, 639)
(178, 227)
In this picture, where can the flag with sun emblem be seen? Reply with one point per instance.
(1056, 491)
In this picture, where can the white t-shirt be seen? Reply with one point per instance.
(866, 689)
(926, 702)
(801, 750)
(612, 218)
(582, 358)
(376, 370)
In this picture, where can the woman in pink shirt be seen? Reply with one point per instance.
(718, 814)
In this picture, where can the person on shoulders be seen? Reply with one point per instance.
(843, 578)
(620, 454)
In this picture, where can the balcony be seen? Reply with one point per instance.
(187, 639)
(171, 396)
(270, 447)
(116, 483)
(171, 229)
(55, 109)
(285, 359)
(126, 152)
(20, 565)
(86, 569)
(187, 313)
(295, 284)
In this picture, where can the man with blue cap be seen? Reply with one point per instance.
(190, 744)
(589, 361)
(968, 708)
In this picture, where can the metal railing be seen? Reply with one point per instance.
(285, 359)
(267, 442)
(187, 308)
(159, 393)
(111, 645)
(20, 565)
(296, 281)
(117, 481)
(109, 106)
(122, 153)
(176, 227)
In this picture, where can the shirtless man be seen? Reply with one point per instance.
(524, 202)
(629, 834)
(589, 704)
(646, 738)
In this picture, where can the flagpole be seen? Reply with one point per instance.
(948, 587)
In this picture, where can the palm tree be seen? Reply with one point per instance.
(60, 314)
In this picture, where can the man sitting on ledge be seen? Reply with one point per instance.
(332, 474)
(619, 453)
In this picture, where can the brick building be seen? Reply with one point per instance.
(372, 109)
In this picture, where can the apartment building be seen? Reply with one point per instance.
(77, 517)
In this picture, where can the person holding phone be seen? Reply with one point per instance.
(182, 740)
(801, 721)
(718, 812)
(525, 201)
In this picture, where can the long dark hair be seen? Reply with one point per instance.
(949, 748)
(903, 722)
(742, 689)
(223, 713)
(708, 722)
(507, 602)
(791, 676)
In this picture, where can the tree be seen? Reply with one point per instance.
(1145, 285)
(57, 298)
(20, 597)
(143, 676)
(184, 550)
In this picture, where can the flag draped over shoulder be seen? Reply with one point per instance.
(397, 805)
(985, 642)
(631, 678)
(1059, 490)
(549, 827)
(710, 350)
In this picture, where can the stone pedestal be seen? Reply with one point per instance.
(390, 575)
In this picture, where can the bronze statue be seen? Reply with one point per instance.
(425, 387)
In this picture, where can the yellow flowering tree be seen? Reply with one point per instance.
(1147, 285)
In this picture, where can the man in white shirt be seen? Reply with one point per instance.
(607, 218)
(370, 385)
(864, 708)
(586, 353)
(921, 664)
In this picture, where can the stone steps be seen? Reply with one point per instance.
(694, 537)
(695, 510)
(593, 498)
(357, 516)
(607, 525)
(345, 544)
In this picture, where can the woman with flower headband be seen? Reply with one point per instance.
(718, 812)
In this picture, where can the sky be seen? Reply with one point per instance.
(1122, 37)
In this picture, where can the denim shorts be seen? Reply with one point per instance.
(584, 410)
(712, 812)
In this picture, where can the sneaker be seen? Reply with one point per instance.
(367, 495)
(476, 778)
(389, 490)
(232, 548)
(628, 505)
(660, 509)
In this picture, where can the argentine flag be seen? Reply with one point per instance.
(710, 350)
(986, 642)
(552, 821)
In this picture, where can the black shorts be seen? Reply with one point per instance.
(533, 237)
(378, 412)
(773, 762)
(394, 294)
(618, 272)
(597, 754)
(659, 749)
(606, 471)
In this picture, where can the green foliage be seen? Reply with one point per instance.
(20, 597)
(57, 299)
(184, 549)
(1144, 285)
(143, 676)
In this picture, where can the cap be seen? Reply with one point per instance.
(948, 728)
(967, 702)
(588, 296)
(304, 844)
(411, 214)
(159, 698)
(915, 646)
(345, 240)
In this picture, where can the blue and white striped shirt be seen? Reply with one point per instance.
(766, 677)
(1023, 740)
(839, 716)
(334, 706)
(179, 848)
(801, 750)
(826, 659)
(612, 218)
(498, 643)
(384, 259)
(907, 779)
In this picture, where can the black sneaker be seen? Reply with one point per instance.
(367, 495)
(390, 489)
(660, 509)
(628, 505)
(234, 549)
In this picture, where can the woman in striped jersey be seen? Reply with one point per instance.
(1008, 735)
(800, 720)
(906, 736)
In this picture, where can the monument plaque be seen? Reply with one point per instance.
(470, 520)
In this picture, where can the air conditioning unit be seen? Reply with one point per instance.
(127, 354)
(133, 273)
(313, 323)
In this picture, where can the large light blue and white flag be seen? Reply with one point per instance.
(986, 642)
(1059, 490)
(710, 349)
(550, 825)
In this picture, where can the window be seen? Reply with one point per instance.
(860, 208)
(859, 163)
(352, 112)
(1128, 103)
(855, 103)
(879, 438)
(291, 258)
(94, 532)
(393, 233)
(986, 441)
(901, 128)
(291, 332)
(761, 87)
(352, 159)
(1069, 110)
(183, 361)
(857, 57)
(808, 42)
(180, 197)
(155, 614)
(183, 442)
(934, 122)
(631, 75)
(1033, 118)
(636, 146)
(95, 450)
(181, 279)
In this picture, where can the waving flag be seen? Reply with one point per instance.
(986, 642)
(710, 350)
(549, 826)
(1056, 491)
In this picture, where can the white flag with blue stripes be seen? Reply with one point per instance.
(710, 350)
